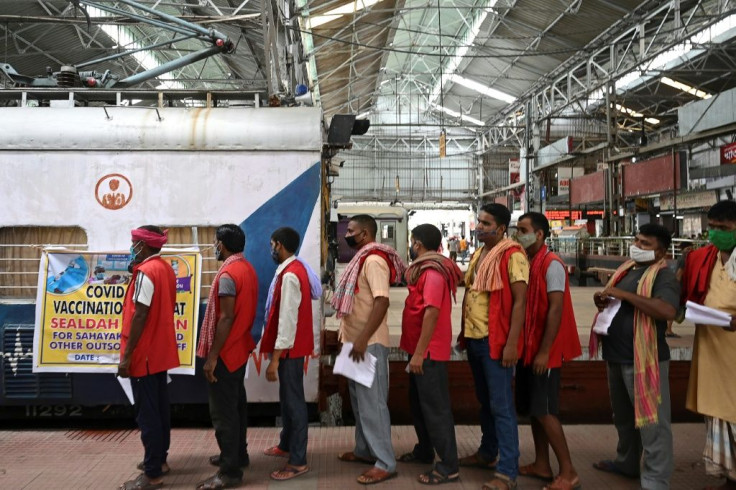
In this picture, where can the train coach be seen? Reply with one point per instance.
(75, 180)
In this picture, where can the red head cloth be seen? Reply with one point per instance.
(153, 240)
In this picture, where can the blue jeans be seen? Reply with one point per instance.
(497, 412)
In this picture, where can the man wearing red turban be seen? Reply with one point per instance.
(148, 350)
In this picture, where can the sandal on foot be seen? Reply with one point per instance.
(375, 475)
(478, 461)
(434, 477)
(609, 466)
(288, 472)
(276, 452)
(218, 481)
(529, 471)
(411, 457)
(563, 484)
(351, 457)
(500, 482)
(141, 483)
(164, 468)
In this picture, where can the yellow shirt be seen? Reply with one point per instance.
(476, 302)
(373, 282)
(711, 390)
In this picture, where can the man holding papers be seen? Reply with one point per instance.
(710, 280)
(426, 335)
(361, 301)
(638, 357)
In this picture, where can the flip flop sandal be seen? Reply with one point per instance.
(609, 466)
(375, 475)
(410, 457)
(528, 471)
(500, 482)
(433, 477)
(165, 469)
(477, 461)
(562, 484)
(141, 483)
(276, 452)
(288, 472)
(351, 457)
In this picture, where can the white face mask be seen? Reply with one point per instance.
(641, 256)
(526, 240)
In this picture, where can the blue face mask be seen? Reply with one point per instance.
(133, 257)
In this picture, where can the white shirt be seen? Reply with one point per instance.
(291, 298)
(143, 288)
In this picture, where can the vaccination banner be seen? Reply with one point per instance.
(80, 303)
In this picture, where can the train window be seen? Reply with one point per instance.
(202, 237)
(387, 232)
(20, 252)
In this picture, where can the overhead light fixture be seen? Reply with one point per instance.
(686, 88)
(462, 117)
(633, 113)
(334, 14)
(479, 87)
(363, 115)
(466, 41)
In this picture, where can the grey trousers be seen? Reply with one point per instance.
(372, 420)
(653, 442)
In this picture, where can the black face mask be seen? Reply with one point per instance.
(275, 256)
(218, 254)
(412, 253)
(351, 241)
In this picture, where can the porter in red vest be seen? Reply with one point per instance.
(289, 338)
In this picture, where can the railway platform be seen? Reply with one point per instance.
(103, 459)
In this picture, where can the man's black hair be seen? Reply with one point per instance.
(429, 235)
(723, 211)
(288, 237)
(232, 238)
(501, 214)
(659, 232)
(367, 222)
(154, 229)
(538, 220)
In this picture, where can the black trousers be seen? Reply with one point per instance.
(429, 400)
(293, 410)
(228, 410)
(151, 396)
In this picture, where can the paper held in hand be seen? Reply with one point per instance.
(702, 315)
(360, 372)
(604, 318)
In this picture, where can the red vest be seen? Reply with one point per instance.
(156, 349)
(566, 345)
(304, 338)
(500, 304)
(239, 343)
(698, 269)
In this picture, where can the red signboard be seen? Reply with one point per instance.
(588, 188)
(560, 214)
(652, 176)
(728, 154)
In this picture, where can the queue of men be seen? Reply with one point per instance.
(517, 322)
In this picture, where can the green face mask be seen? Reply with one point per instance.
(722, 239)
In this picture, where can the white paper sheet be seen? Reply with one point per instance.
(604, 318)
(127, 388)
(360, 372)
(702, 315)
